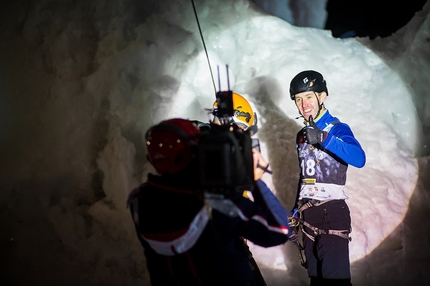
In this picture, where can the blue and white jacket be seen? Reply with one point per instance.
(324, 166)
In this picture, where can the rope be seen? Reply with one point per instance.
(204, 45)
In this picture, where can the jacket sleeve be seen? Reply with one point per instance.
(265, 222)
(342, 143)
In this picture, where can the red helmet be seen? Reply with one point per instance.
(170, 145)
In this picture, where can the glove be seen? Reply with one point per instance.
(313, 135)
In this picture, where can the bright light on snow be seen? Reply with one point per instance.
(359, 84)
(79, 92)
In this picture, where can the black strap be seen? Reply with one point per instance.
(265, 169)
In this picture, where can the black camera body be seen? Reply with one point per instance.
(225, 154)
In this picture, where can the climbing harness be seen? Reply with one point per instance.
(296, 221)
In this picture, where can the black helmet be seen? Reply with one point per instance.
(307, 81)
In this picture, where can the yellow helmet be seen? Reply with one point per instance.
(243, 114)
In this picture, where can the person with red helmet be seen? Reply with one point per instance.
(325, 148)
(187, 238)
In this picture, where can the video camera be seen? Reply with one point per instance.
(225, 152)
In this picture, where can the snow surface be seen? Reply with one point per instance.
(80, 83)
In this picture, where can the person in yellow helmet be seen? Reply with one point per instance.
(243, 115)
(245, 118)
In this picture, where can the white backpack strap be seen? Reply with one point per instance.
(181, 243)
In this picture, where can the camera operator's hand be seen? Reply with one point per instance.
(260, 165)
